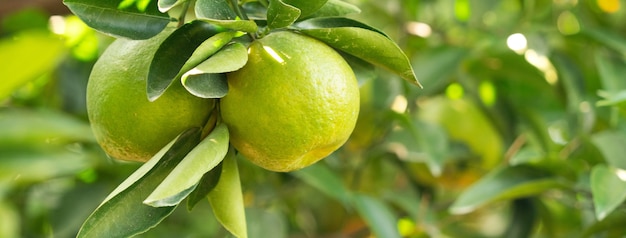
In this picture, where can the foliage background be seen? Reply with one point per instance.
(507, 141)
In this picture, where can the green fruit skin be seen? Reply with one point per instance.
(124, 122)
(274, 118)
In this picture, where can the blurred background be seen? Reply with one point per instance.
(519, 130)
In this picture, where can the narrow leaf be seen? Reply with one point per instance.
(306, 7)
(377, 215)
(173, 53)
(335, 8)
(368, 45)
(122, 214)
(227, 199)
(280, 14)
(322, 178)
(335, 22)
(206, 85)
(166, 5)
(206, 184)
(613, 222)
(206, 50)
(112, 17)
(505, 183)
(183, 179)
(608, 189)
(229, 59)
(606, 37)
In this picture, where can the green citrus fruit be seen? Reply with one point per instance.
(294, 102)
(124, 122)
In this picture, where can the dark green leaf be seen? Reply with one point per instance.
(166, 5)
(206, 50)
(334, 22)
(206, 184)
(227, 199)
(122, 214)
(368, 45)
(611, 145)
(377, 215)
(306, 7)
(280, 14)
(435, 66)
(173, 53)
(183, 179)
(611, 70)
(322, 178)
(135, 21)
(523, 220)
(505, 183)
(335, 8)
(608, 187)
(207, 85)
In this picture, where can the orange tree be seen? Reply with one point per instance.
(518, 131)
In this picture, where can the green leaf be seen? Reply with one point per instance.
(227, 199)
(214, 9)
(611, 70)
(206, 85)
(35, 163)
(363, 70)
(122, 214)
(505, 183)
(166, 5)
(435, 66)
(206, 184)
(219, 13)
(135, 21)
(173, 53)
(611, 145)
(231, 58)
(18, 67)
(606, 37)
(280, 14)
(608, 187)
(22, 127)
(335, 8)
(419, 141)
(322, 178)
(206, 50)
(377, 215)
(306, 7)
(368, 45)
(184, 178)
(611, 99)
(335, 22)
(613, 222)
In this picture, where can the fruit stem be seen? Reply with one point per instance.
(181, 18)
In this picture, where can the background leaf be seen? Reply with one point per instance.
(186, 175)
(173, 53)
(377, 215)
(322, 178)
(608, 187)
(609, 143)
(111, 16)
(505, 183)
(227, 199)
(113, 218)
